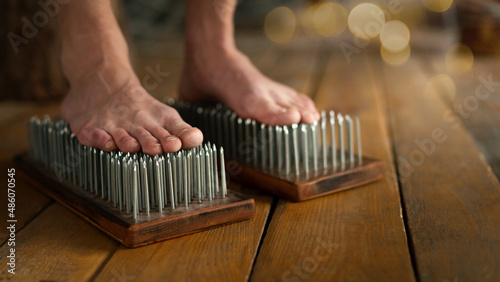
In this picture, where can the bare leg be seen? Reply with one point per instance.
(107, 107)
(215, 68)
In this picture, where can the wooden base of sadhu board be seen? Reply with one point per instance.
(145, 229)
(313, 184)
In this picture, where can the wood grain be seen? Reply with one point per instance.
(221, 254)
(29, 202)
(57, 245)
(354, 235)
(481, 116)
(451, 196)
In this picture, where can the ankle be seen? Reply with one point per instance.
(99, 52)
(107, 67)
(200, 44)
(209, 55)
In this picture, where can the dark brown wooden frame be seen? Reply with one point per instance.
(145, 229)
(314, 184)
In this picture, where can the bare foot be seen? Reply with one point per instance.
(231, 78)
(214, 68)
(106, 106)
(110, 113)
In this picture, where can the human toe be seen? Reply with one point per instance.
(190, 137)
(149, 144)
(96, 137)
(125, 142)
(169, 142)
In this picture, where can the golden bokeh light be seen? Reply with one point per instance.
(366, 20)
(437, 5)
(395, 58)
(329, 19)
(307, 20)
(395, 36)
(442, 84)
(280, 25)
(459, 58)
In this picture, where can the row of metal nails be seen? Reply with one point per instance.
(328, 143)
(131, 182)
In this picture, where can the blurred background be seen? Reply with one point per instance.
(395, 30)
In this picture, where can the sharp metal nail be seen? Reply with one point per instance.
(314, 140)
(248, 141)
(179, 177)
(94, 159)
(84, 168)
(174, 175)
(113, 179)
(101, 176)
(185, 167)
(203, 174)
(170, 183)
(214, 166)
(305, 147)
(279, 147)
(324, 144)
(151, 181)
(333, 139)
(263, 146)
(295, 141)
(164, 172)
(126, 184)
(223, 173)
(350, 139)
(108, 175)
(287, 150)
(271, 146)
(119, 184)
(158, 187)
(340, 120)
(145, 187)
(358, 139)
(198, 176)
(134, 181)
(191, 173)
(241, 138)
(254, 143)
(208, 170)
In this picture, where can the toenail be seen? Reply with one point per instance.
(184, 131)
(108, 145)
(134, 144)
(284, 110)
(171, 138)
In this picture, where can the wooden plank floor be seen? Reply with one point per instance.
(434, 217)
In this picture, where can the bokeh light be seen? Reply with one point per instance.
(307, 21)
(366, 20)
(395, 58)
(329, 19)
(395, 36)
(437, 5)
(280, 25)
(443, 84)
(459, 58)
(325, 18)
